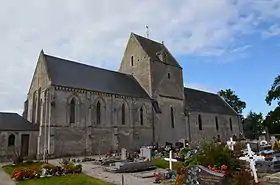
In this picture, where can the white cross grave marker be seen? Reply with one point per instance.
(251, 158)
(170, 159)
(231, 144)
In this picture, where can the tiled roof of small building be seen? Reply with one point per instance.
(15, 122)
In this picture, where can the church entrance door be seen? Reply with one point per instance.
(24, 144)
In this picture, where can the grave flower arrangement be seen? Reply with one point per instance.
(23, 174)
(221, 159)
(220, 169)
(45, 170)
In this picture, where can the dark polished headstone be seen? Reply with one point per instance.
(198, 174)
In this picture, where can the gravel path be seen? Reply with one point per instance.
(91, 169)
(5, 178)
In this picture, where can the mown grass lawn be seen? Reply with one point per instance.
(161, 163)
(74, 179)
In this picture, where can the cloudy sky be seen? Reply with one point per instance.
(220, 43)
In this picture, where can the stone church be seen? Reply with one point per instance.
(85, 109)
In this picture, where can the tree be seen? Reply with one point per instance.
(274, 92)
(233, 100)
(272, 120)
(253, 125)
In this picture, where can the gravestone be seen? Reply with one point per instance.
(273, 140)
(269, 166)
(184, 141)
(191, 154)
(146, 153)
(251, 158)
(126, 167)
(198, 174)
(231, 144)
(123, 154)
(170, 160)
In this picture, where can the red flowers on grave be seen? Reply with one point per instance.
(23, 174)
(222, 169)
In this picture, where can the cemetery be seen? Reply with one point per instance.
(212, 162)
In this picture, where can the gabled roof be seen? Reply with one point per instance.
(152, 48)
(201, 101)
(68, 73)
(15, 122)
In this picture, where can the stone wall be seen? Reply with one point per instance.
(85, 134)
(37, 91)
(163, 122)
(209, 129)
(7, 152)
(136, 62)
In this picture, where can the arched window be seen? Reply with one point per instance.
(98, 113)
(230, 124)
(217, 123)
(131, 60)
(39, 111)
(11, 140)
(123, 114)
(141, 116)
(34, 99)
(72, 110)
(172, 117)
(199, 122)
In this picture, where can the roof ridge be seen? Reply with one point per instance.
(201, 91)
(142, 37)
(86, 65)
(8, 113)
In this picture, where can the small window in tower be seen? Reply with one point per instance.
(131, 60)
(172, 117)
(168, 75)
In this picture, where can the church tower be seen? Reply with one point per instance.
(158, 72)
(153, 66)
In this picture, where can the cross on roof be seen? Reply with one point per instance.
(170, 159)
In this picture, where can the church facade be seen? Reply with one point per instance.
(84, 109)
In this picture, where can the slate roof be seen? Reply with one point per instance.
(201, 101)
(152, 48)
(68, 73)
(15, 122)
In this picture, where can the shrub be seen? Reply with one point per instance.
(29, 162)
(47, 166)
(215, 155)
(276, 146)
(184, 151)
(78, 168)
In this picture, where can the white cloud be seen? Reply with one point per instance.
(96, 32)
(240, 49)
(273, 30)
